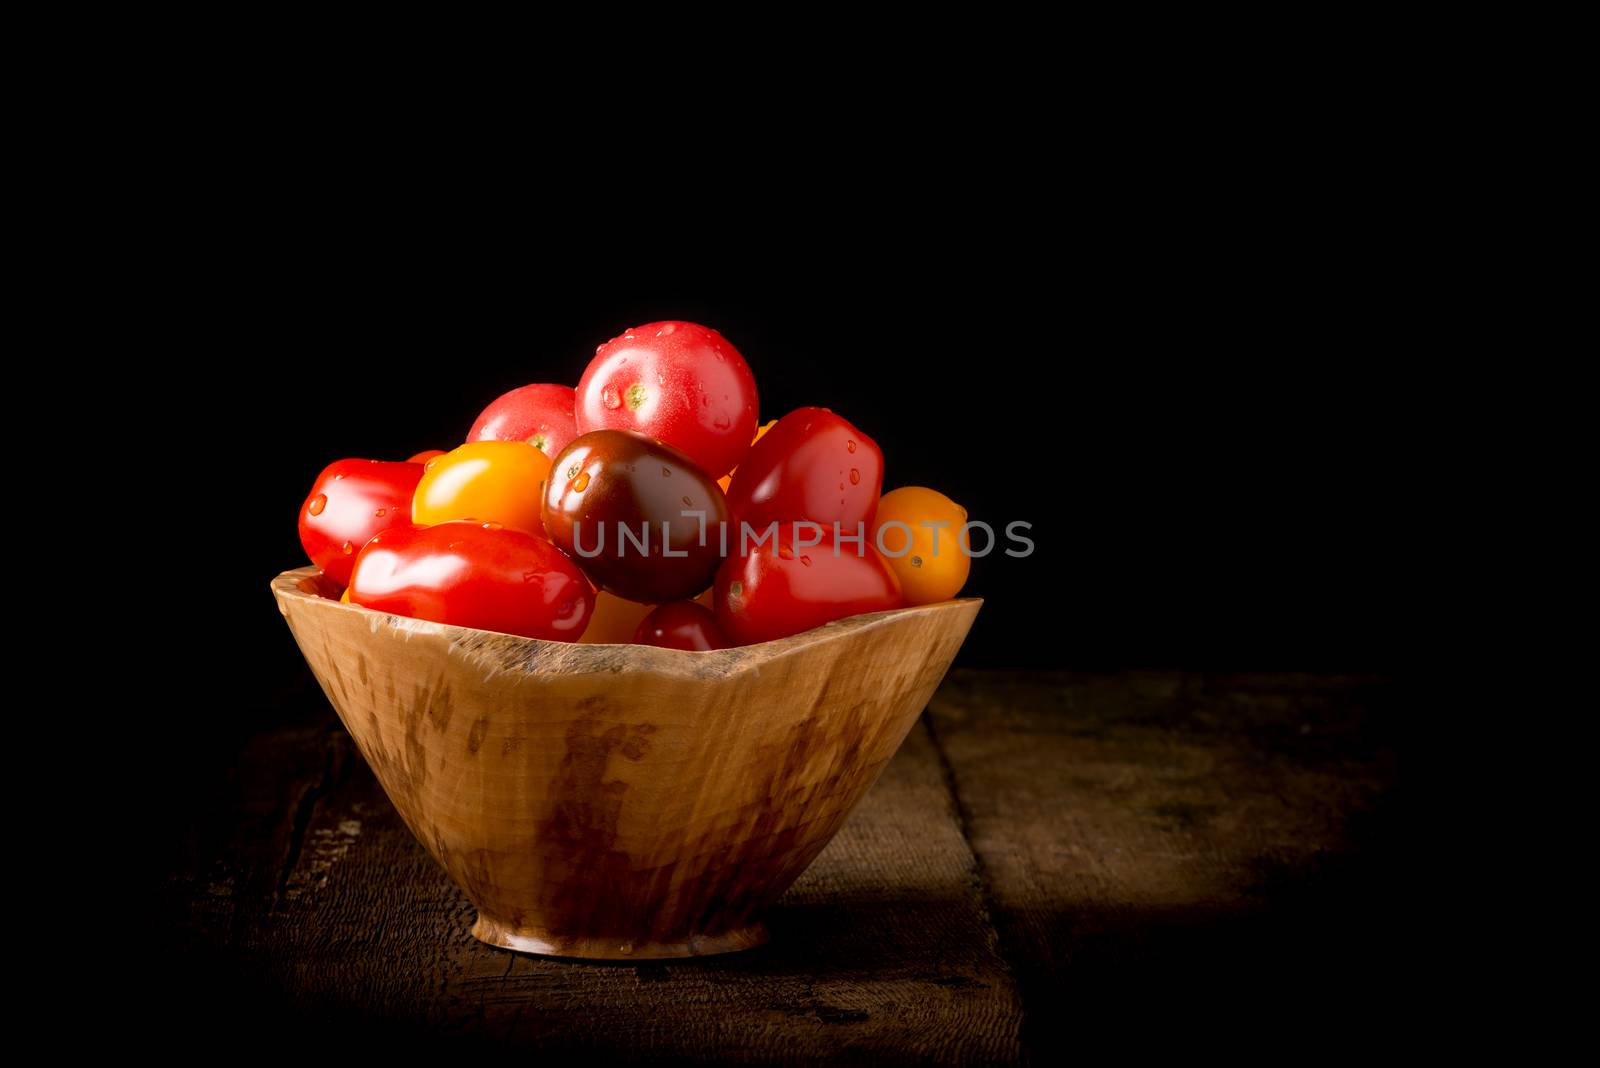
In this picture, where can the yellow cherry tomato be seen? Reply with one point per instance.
(490, 481)
(614, 620)
(934, 566)
(727, 480)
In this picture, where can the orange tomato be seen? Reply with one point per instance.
(614, 620)
(490, 481)
(727, 480)
(934, 567)
(424, 456)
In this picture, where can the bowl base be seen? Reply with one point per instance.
(532, 940)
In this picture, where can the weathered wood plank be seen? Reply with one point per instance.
(1175, 858)
(881, 952)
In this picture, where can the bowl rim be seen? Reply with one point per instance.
(543, 656)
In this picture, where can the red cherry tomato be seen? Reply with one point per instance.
(472, 574)
(681, 383)
(351, 501)
(680, 625)
(540, 414)
(424, 456)
(780, 589)
(811, 465)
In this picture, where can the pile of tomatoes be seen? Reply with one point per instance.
(645, 506)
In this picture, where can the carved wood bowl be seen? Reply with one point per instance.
(622, 801)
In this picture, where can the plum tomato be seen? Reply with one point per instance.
(727, 479)
(350, 502)
(681, 383)
(490, 481)
(472, 574)
(624, 507)
(540, 414)
(681, 625)
(780, 588)
(933, 566)
(614, 620)
(812, 465)
(424, 456)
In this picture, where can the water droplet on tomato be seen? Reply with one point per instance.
(855, 477)
(337, 477)
(347, 548)
(429, 465)
(530, 576)
(661, 378)
(611, 398)
(841, 487)
(916, 561)
(666, 472)
(722, 422)
(318, 503)
(493, 526)
(665, 330)
(784, 553)
(850, 446)
(572, 472)
(381, 512)
(806, 560)
(582, 482)
(687, 503)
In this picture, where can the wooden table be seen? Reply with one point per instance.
(1051, 861)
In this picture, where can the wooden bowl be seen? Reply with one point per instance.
(622, 801)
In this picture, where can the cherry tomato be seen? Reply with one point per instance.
(350, 502)
(812, 465)
(934, 565)
(540, 414)
(727, 479)
(779, 588)
(471, 574)
(424, 456)
(490, 481)
(623, 507)
(681, 383)
(614, 620)
(681, 625)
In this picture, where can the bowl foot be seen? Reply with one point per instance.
(535, 940)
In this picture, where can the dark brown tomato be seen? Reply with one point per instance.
(640, 519)
(681, 625)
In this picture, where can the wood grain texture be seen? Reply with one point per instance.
(881, 952)
(1202, 845)
(1163, 862)
(622, 801)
